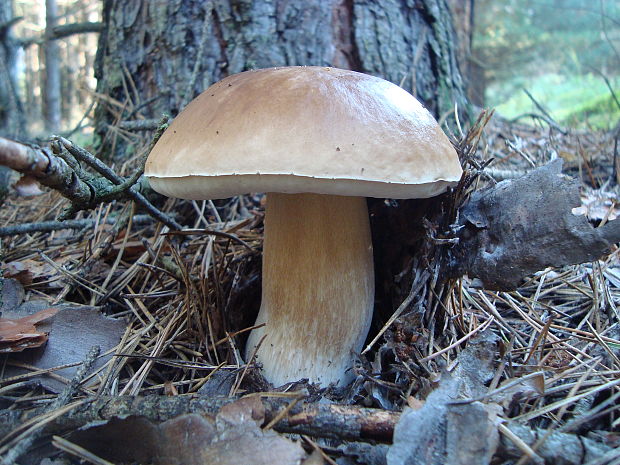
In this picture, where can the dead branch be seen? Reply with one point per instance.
(140, 125)
(49, 226)
(320, 420)
(49, 170)
(62, 31)
(62, 172)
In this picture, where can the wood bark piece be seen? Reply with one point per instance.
(518, 227)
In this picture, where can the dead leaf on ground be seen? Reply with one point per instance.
(28, 271)
(234, 437)
(440, 431)
(28, 186)
(518, 390)
(18, 271)
(72, 333)
(21, 333)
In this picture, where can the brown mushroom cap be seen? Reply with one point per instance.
(303, 129)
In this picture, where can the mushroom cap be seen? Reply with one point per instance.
(303, 129)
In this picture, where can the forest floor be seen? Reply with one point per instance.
(180, 304)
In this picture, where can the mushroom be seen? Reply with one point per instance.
(319, 141)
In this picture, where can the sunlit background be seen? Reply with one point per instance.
(565, 53)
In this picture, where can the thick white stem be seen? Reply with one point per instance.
(318, 287)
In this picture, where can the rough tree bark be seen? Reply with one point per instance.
(155, 56)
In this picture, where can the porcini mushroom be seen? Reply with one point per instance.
(318, 141)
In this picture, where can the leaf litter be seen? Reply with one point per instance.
(545, 389)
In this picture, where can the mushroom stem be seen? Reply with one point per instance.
(318, 287)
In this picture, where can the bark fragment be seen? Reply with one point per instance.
(518, 227)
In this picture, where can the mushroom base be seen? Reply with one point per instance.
(317, 288)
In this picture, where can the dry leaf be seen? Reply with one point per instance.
(18, 271)
(414, 403)
(234, 437)
(316, 458)
(27, 186)
(72, 333)
(28, 271)
(520, 389)
(19, 334)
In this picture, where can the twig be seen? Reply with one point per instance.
(140, 125)
(550, 121)
(49, 226)
(315, 419)
(68, 178)
(48, 169)
(122, 186)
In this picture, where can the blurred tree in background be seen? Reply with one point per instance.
(562, 51)
(33, 35)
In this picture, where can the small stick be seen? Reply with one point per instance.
(105, 171)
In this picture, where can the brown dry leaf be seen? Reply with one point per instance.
(72, 333)
(414, 403)
(520, 389)
(19, 334)
(28, 271)
(316, 458)
(233, 437)
(18, 271)
(27, 187)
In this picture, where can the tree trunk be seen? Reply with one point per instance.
(11, 111)
(463, 14)
(12, 122)
(156, 56)
(52, 70)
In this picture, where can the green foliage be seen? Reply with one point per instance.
(572, 100)
(554, 48)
